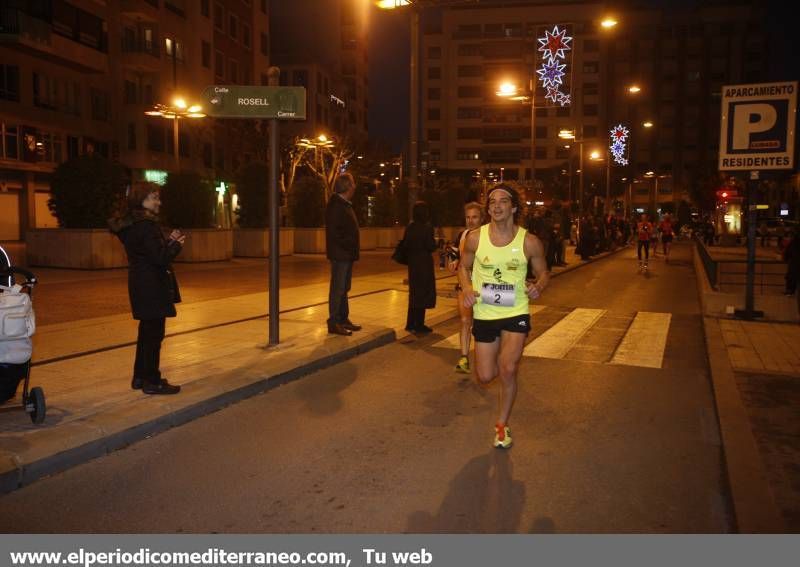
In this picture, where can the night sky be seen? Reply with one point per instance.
(390, 53)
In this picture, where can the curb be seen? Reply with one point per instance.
(16, 472)
(754, 506)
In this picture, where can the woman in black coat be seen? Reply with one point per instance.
(152, 287)
(419, 244)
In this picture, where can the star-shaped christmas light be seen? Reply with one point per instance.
(550, 74)
(619, 132)
(619, 137)
(555, 43)
(563, 99)
(553, 94)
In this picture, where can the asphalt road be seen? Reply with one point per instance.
(395, 441)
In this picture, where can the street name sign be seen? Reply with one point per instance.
(758, 126)
(235, 101)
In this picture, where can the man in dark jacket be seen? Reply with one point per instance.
(342, 242)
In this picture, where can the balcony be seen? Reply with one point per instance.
(140, 9)
(140, 55)
(25, 33)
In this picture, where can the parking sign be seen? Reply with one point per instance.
(758, 124)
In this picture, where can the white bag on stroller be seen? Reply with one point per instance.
(17, 325)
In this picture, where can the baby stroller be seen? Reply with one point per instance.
(17, 325)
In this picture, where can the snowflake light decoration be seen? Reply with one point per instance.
(553, 47)
(619, 138)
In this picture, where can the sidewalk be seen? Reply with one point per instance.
(755, 369)
(216, 349)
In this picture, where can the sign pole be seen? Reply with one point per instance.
(749, 313)
(274, 74)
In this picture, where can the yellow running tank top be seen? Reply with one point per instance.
(498, 275)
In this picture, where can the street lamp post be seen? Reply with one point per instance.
(570, 135)
(175, 111)
(511, 91)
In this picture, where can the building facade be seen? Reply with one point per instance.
(323, 46)
(678, 58)
(77, 76)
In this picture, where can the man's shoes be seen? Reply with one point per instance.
(462, 365)
(137, 383)
(350, 326)
(424, 330)
(502, 436)
(162, 388)
(339, 329)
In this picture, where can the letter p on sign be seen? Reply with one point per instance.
(749, 119)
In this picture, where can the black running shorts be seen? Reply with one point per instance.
(488, 330)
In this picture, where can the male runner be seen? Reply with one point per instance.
(665, 227)
(643, 230)
(498, 256)
(473, 214)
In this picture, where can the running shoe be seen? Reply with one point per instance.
(463, 365)
(502, 436)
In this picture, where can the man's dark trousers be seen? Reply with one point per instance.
(341, 278)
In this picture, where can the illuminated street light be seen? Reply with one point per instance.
(634, 89)
(175, 111)
(608, 23)
(391, 4)
(647, 124)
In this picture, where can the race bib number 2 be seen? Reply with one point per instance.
(500, 295)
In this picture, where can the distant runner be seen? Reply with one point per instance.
(666, 235)
(473, 213)
(643, 230)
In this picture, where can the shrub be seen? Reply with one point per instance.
(253, 191)
(85, 191)
(307, 202)
(188, 201)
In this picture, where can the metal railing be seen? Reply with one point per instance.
(730, 274)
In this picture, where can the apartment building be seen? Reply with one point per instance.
(78, 75)
(323, 46)
(678, 57)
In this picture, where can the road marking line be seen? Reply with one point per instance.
(557, 341)
(644, 341)
(454, 341)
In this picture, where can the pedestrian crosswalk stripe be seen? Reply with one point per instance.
(557, 341)
(645, 341)
(454, 341)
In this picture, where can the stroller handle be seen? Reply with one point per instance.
(10, 271)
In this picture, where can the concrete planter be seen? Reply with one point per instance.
(312, 240)
(309, 241)
(369, 238)
(206, 245)
(254, 242)
(77, 248)
(388, 237)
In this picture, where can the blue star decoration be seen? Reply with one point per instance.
(550, 73)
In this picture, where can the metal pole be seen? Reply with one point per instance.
(413, 149)
(569, 171)
(580, 179)
(533, 131)
(274, 74)
(749, 311)
(176, 143)
(608, 183)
